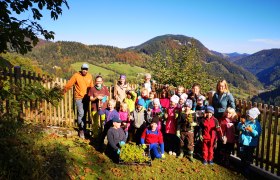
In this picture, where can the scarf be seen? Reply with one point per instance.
(97, 87)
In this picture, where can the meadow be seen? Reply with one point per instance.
(28, 152)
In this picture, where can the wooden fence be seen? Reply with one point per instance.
(267, 155)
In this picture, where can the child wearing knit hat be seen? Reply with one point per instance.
(138, 121)
(171, 116)
(210, 127)
(250, 132)
(185, 131)
(156, 110)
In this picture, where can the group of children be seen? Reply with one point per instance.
(180, 124)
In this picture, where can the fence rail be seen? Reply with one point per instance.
(267, 155)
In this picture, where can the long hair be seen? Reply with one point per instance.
(222, 82)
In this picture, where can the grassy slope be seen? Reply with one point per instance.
(26, 152)
(113, 70)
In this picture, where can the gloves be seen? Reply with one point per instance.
(144, 146)
(178, 133)
(176, 115)
(118, 151)
(104, 99)
(121, 143)
(163, 155)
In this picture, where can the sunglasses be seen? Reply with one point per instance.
(85, 69)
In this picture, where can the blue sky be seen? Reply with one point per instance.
(244, 26)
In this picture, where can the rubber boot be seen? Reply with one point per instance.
(191, 156)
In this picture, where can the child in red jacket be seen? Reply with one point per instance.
(154, 138)
(209, 127)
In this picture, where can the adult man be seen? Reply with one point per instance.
(82, 82)
(98, 96)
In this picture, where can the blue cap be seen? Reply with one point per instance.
(141, 102)
(115, 119)
(84, 66)
(210, 109)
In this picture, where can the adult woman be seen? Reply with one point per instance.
(120, 90)
(222, 99)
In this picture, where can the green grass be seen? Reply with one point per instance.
(111, 72)
(27, 153)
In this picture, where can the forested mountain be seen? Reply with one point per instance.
(270, 97)
(230, 56)
(265, 65)
(57, 57)
(214, 65)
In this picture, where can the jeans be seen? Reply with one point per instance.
(82, 108)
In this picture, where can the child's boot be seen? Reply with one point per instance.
(191, 156)
(181, 154)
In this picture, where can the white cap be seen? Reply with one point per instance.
(184, 96)
(253, 112)
(156, 101)
(84, 66)
(174, 99)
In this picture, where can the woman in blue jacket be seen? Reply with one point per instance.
(222, 99)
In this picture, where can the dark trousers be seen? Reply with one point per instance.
(247, 153)
(105, 131)
(187, 141)
(171, 142)
(136, 133)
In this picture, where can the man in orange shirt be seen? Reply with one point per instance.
(82, 82)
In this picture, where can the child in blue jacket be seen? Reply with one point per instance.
(249, 138)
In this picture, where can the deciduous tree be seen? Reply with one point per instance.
(21, 35)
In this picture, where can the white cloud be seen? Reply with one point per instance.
(267, 41)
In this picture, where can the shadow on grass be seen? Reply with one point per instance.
(21, 157)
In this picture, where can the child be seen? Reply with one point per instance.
(228, 131)
(250, 132)
(152, 96)
(209, 128)
(185, 131)
(138, 121)
(110, 113)
(180, 91)
(145, 97)
(164, 99)
(156, 111)
(116, 138)
(130, 99)
(182, 100)
(172, 113)
(124, 116)
(153, 137)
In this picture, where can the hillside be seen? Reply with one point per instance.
(270, 97)
(214, 65)
(56, 58)
(265, 65)
(230, 56)
(110, 72)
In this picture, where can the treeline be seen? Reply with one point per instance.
(56, 58)
(270, 97)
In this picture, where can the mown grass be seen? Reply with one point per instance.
(111, 72)
(28, 153)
